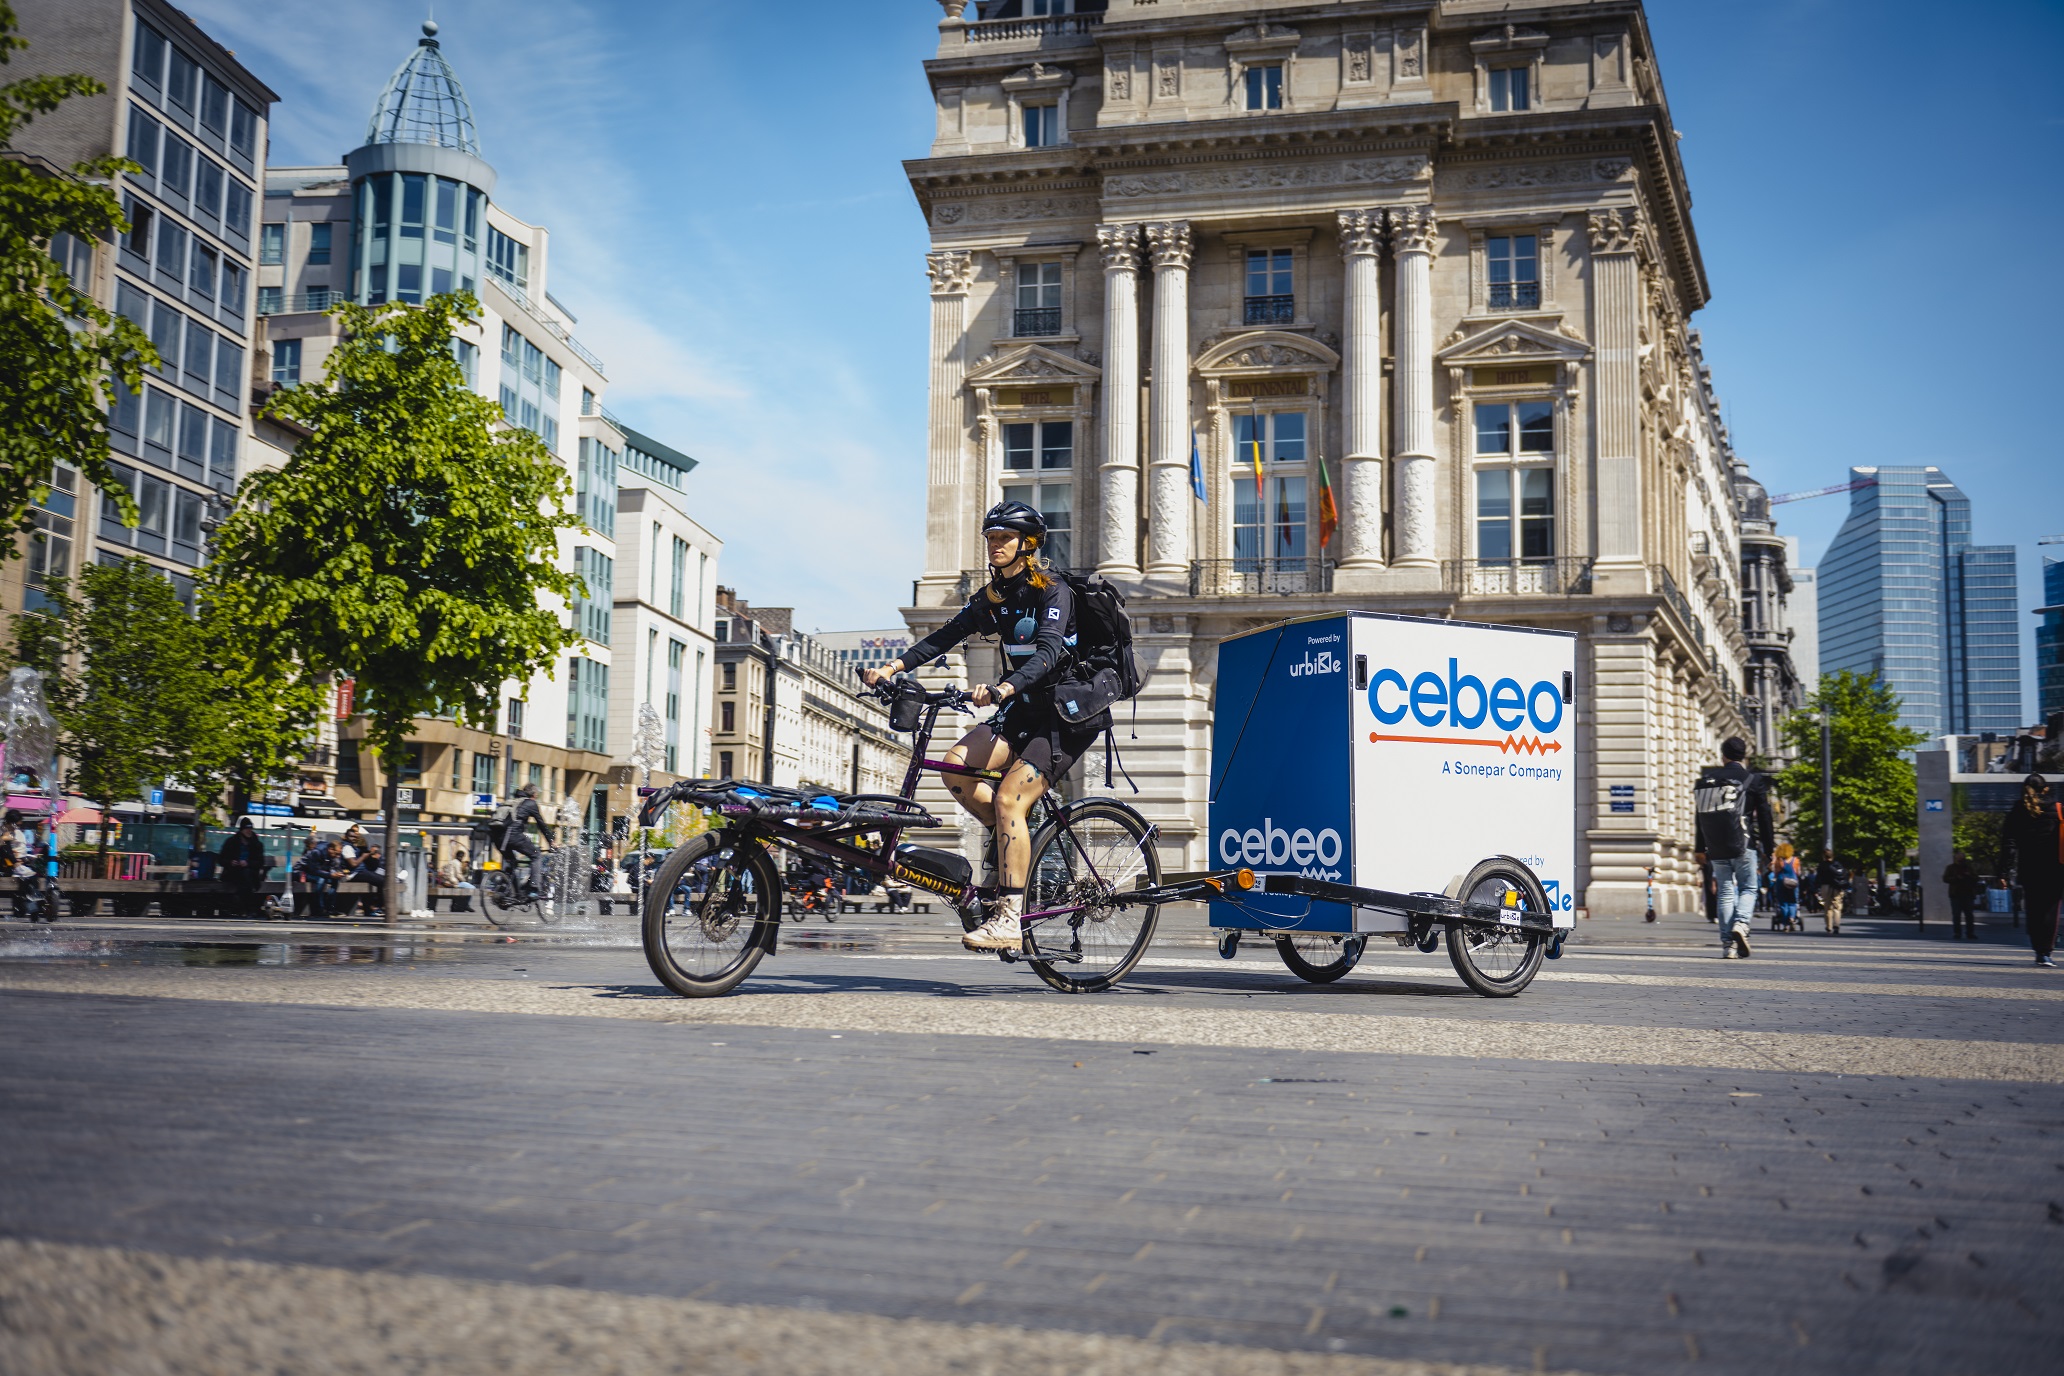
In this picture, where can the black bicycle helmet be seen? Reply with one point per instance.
(1015, 516)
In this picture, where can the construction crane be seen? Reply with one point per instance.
(1825, 491)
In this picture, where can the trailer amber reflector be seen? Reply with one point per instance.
(1245, 879)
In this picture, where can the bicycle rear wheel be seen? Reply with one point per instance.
(709, 915)
(1087, 858)
(1500, 963)
(501, 902)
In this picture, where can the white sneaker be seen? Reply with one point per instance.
(1002, 932)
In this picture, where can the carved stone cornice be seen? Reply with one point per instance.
(1616, 229)
(952, 271)
(1412, 228)
(1119, 245)
(1361, 233)
(1169, 241)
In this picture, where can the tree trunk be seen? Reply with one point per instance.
(390, 840)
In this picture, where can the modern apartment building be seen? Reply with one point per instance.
(1200, 266)
(666, 607)
(182, 106)
(410, 214)
(1803, 617)
(788, 712)
(1905, 595)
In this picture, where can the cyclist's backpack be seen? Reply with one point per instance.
(1102, 669)
(501, 824)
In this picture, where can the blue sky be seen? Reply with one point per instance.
(1875, 191)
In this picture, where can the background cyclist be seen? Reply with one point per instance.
(516, 840)
(1031, 612)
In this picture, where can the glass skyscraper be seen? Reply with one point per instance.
(1905, 595)
(2049, 640)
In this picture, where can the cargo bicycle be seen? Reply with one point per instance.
(1092, 894)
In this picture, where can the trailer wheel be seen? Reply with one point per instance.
(1498, 964)
(1319, 959)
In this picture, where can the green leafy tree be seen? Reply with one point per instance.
(257, 723)
(60, 352)
(1873, 779)
(410, 543)
(123, 667)
(1977, 835)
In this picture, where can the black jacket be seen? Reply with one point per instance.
(1036, 627)
(248, 849)
(525, 812)
(2028, 843)
(1716, 836)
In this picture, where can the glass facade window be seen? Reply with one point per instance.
(286, 362)
(147, 62)
(1269, 524)
(1509, 89)
(207, 196)
(1265, 87)
(214, 106)
(143, 141)
(468, 356)
(508, 259)
(182, 83)
(175, 166)
(318, 243)
(406, 233)
(1513, 266)
(1043, 444)
(676, 652)
(595, 486)
(587, 705)
(236, 209)
(592, 609)
(1042, 125)
(1515, 480)
(1270, 294)
(243, 132)
(677, 596)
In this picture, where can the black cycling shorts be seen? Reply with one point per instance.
(1042, 739)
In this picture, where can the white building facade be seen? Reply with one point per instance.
(1197, 264)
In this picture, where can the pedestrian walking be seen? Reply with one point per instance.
(2032, 842)
(1785, 883)
(242, 863)
(1831, 882)
(1734, 828)
(1964, 885)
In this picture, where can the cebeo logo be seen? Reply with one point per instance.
(1269, 844)
(1462, 700)
(1324, 662)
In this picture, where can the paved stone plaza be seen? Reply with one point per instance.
(354, 1150)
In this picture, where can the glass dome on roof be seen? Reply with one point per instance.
(424, 103)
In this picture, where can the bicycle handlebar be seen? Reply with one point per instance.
(885, 691)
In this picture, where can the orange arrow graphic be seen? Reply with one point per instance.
(1525, 745)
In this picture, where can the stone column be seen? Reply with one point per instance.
(1411, 240)
(953, 273)
(1118, 553)
(1616, 323)
(1168, 489)
(1361, 470)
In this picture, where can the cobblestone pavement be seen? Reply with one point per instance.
(319, 1150)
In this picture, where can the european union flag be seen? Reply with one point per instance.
(1197, 469)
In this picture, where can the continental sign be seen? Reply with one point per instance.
(1252, 387)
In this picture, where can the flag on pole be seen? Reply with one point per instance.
(1197, 469)
(1329, 512)
(1259, 495)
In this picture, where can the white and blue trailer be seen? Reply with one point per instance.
(1400, 776)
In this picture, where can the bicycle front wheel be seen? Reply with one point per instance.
(1087, 859)
(710, 914)
(501, 902)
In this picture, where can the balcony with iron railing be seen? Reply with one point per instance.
(1515, 296)
(1516, 577)
(1035, 321)
(1056, 30)
(1260, 577)
(1271, 310)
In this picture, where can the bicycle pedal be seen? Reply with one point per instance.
(1009, 957)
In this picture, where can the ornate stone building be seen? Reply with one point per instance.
(1197, 264)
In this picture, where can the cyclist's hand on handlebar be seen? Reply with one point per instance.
(987, 695)
(873, 676)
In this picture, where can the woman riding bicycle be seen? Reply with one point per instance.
(1032, 614)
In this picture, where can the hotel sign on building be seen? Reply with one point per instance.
(1436, 260)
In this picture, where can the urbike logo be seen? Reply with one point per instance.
(1316, 854)
(1460, 701)
(1324, 662)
